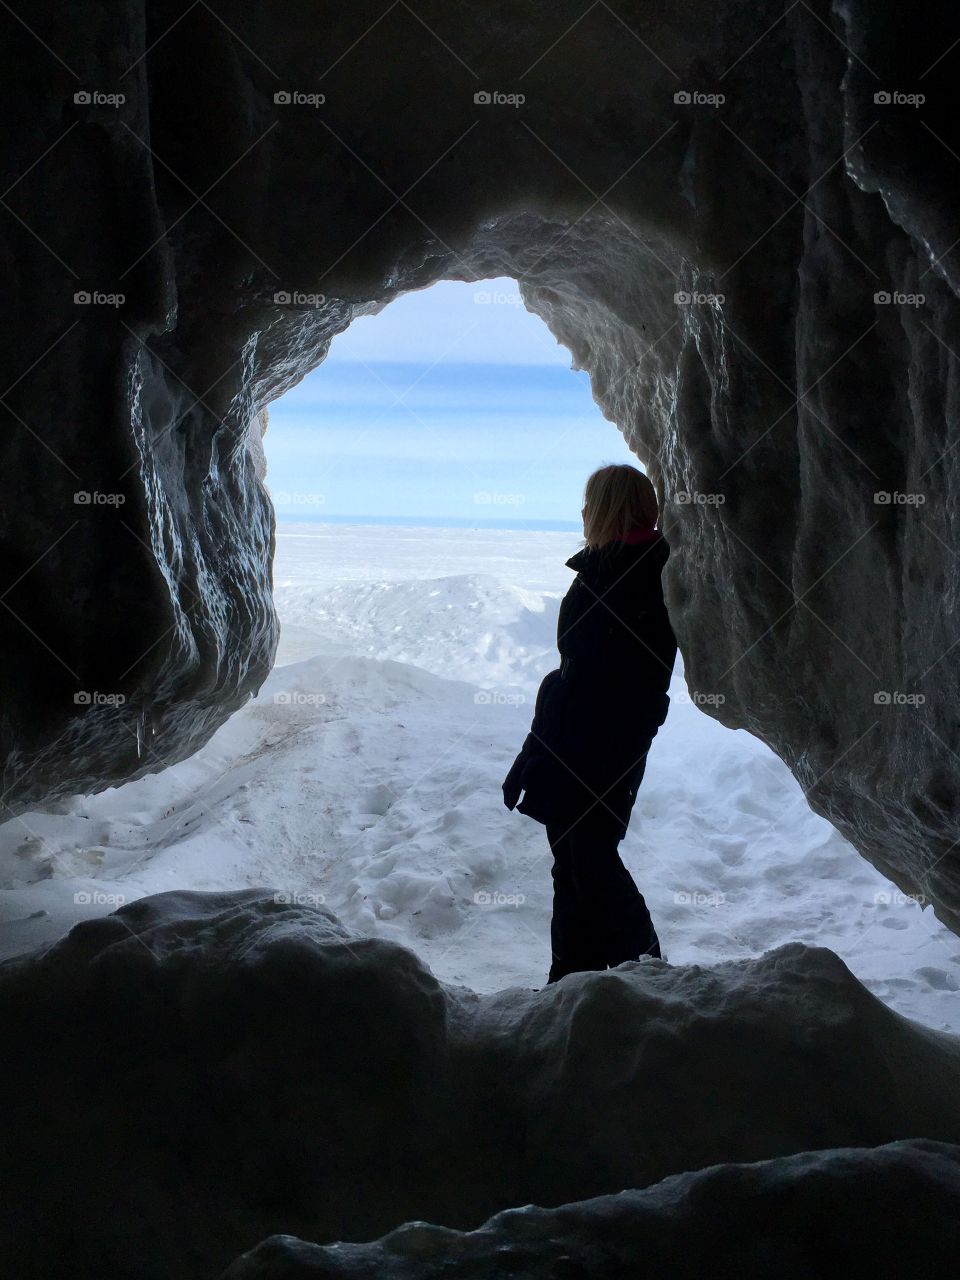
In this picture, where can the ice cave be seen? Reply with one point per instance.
(736, 220)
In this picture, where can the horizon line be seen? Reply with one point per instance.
(537, 523)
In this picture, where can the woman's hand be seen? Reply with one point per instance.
(511, 784)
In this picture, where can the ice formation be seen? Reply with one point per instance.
(889, 1210)
(196, 1072)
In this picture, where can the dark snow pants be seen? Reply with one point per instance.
(599, 916)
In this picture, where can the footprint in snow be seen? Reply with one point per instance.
(938, 979)
(376, 800)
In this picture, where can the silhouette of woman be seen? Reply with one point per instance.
(594, 720)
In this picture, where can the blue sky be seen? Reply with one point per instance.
(453, 404)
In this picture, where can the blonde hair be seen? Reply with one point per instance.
(616, 499)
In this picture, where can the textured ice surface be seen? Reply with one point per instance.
(884, 1211)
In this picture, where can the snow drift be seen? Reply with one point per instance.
(196, 1072)
(372, 786)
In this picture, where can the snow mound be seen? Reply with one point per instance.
(373, 787)
(468, 626)
(892, 1211)
(196, 1072)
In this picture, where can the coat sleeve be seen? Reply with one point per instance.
(513, 782)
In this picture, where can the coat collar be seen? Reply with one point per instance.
(588, 555)
(579, 559)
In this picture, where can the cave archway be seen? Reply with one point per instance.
(729, 857)
(348, 781)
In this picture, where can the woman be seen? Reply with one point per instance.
(594, 719)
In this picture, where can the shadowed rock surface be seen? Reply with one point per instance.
(196, 1072)
(892, 1210)
(772, 408)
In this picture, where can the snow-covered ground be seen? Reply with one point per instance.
(366, 776)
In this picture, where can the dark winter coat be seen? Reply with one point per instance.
(596, 715)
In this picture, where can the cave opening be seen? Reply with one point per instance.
(387, 555)
(424, 475)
